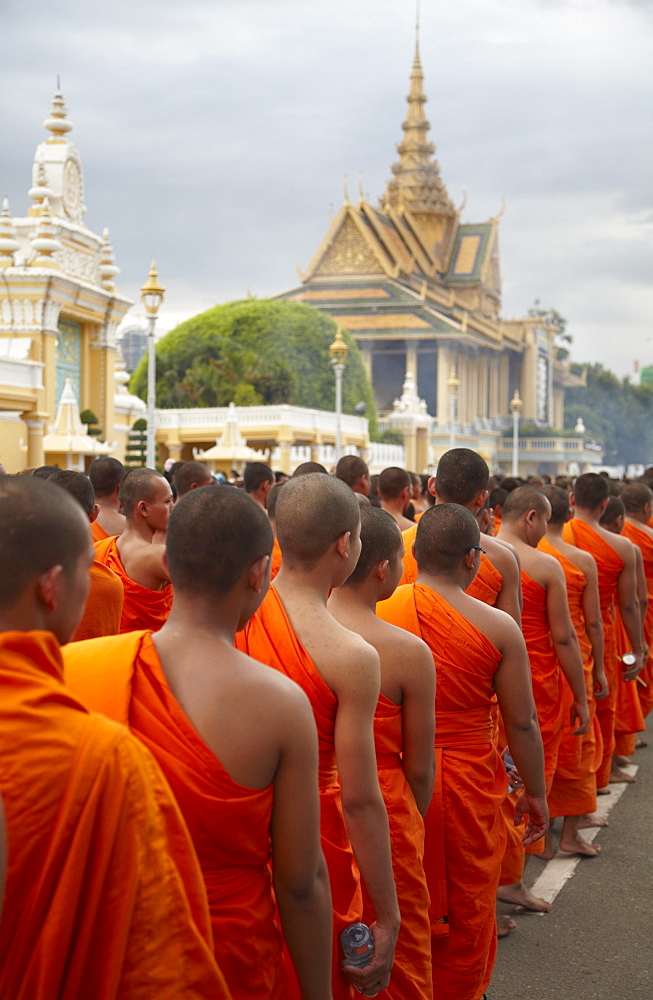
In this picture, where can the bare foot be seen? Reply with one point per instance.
(549, 848)
(603, 791)
(639, 742)
(622, 761)
(505, 924)
(577, 845)
(618, 777)
(519, 895)
(591, 819)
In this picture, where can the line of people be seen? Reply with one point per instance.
(274, 807)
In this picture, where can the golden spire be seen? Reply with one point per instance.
(8, 242)
(417, 183)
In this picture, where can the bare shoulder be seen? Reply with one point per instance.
(502, 554)
(619, 543)
(499, 627)
(585, 561)
(401, 643)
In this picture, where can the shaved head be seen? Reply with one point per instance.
(393, 481)
(215, 534)
(313, 511)
(138, 484)
(255, 474)
(590, 490)
(380, 539)
(271, 504)
(559, 500)
(189, 475)
(635, 496)
(78, 485)
(42, 527)
(460, 476)
(45, 471)
(350, 469)
(105, 474)
(614, 510)
(307, 467)
(445, 533)
(522, 500)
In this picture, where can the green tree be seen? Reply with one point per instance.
(258, 351)
(136, 449)
(617, 412)
(88, 417)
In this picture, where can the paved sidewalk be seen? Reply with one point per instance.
(597, 942)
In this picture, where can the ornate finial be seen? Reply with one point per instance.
(495, 218)
(346, 190)
(39, 191)
(45, 242)
(8, 242)
(57, 123)
(361, 193)
(460, 208)
(108, 269)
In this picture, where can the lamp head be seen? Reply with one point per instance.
(152, 292)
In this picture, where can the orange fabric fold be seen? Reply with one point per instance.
(98, 532)
(270, 639)
(103, 611)
(142, 608)
(229, 824)
(464, 830)
(573, 791)
(275, 560)
(644, 542)
(629, 718)
(95, 903)
(486, 585)
(410, 565)
(411, 973)
(609, 565)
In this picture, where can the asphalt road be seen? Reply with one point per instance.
(597, 942)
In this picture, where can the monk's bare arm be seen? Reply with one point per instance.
(505, 561)
(629, 608)
(594, 628)
(357, 687)
(418, 709)
(301, 879)
(642, 589)
(565, 642)
(512, 683)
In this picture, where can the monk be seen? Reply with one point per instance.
(147, 501)
(355, 473)
(477, 651)
(236, 741)
(305, 468)
(629, 719)
(638, 501)
(404, 729)
(395, 490)
(106, 475)
(103, 610)
(95, 904)
(462, 478)
(318, 526)
(258, 480)
(550, 636)
(615, 561)
(191, 476)
(496, 500)
(275, 559)
(573, 791)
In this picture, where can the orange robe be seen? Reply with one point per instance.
(98, 532)
(486, 585)
(545, 672)
(464, 829)
(644, 541)
(411, 973)
(142, 608)
(103, 611)
(629, 718)
(269, 638)
(573, 791)
(95, 905)
(275, 560)
(410, 565)
(228, 823)
(609, 565)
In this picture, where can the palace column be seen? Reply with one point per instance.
(446, 358)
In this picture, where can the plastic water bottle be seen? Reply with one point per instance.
(357, 943)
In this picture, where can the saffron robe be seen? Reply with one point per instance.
(629, 718)
(464, 829)
(142, 608)
(573, 791)
(103, 611)
(644, 542)
(275, 560)
(609, 565)
(95, 903)
(410, 565)
(228, 823)
(269, 638)
(98, 532)
(411, 973)
(486, 585)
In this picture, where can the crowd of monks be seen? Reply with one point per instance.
(237, 718)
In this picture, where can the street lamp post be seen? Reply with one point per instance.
(453, 385)
(338, 353)
(152, 293)
(515, 408)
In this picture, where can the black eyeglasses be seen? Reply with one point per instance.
(476, 548)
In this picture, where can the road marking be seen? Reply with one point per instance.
(559, 870)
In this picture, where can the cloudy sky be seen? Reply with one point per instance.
(215, 135)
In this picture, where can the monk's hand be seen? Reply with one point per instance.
(538, 816)
(637, 667)
(373, 978)
(601, 686)
(514, 778)
(579, 710)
